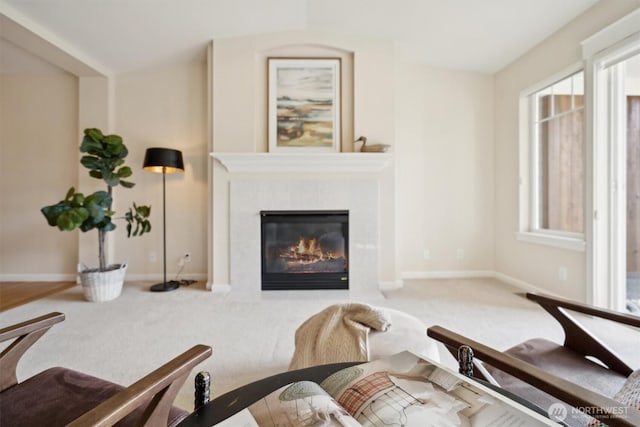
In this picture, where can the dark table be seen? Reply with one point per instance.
(238, 399)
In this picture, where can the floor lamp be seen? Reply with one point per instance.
(164, 161)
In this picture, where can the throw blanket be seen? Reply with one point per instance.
(339, 333)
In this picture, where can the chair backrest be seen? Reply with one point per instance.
(566, 391)
(155, 392)
(161, 386)
(25, 335)
(577, 337)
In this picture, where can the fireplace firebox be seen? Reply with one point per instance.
(303, 250)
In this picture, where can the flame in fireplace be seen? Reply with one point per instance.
(309, 247)
(306, 251)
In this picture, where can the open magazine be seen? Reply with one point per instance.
(402, 390)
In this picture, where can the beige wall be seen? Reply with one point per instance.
(39, 132)
(445, 171)
(165, 107)
(438, 196)
(532, 263)
(454, 184)
(38, 157)
(240, 112)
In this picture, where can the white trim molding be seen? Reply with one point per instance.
(604, 53)
(72, 277)
(614, 33)
(390, 285)
(219, 288)
(525, 286)
(475, 274)
(452, 274)
(554, 240)
(157, 277)
(300, 162)
(529, 226)
(28, 277)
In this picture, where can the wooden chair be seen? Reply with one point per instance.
(60, 396)
(544, 372)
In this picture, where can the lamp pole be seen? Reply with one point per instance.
(164, 160)
(165, 285)
(164, 225)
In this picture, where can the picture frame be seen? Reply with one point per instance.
(304, 107)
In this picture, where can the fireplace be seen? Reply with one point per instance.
(304, 250)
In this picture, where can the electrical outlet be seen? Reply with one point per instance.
(426, 254)
(460, 253)
(184, 259)
(153, 257)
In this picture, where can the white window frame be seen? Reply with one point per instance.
(606, 258)
(529, 173)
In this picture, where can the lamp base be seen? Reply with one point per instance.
(171, 285)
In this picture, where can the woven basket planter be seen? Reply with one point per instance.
(102, 286)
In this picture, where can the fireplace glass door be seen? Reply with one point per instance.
(305, 250)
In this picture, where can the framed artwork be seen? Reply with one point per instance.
(304, 104)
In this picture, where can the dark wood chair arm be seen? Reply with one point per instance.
(565, 391)
(160, 386)
(579, 339)
(548, 300)
(26, 334)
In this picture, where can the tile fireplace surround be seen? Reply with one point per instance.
(318, 181)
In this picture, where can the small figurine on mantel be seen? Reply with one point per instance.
(373, 148)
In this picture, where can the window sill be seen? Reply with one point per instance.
(570, 243)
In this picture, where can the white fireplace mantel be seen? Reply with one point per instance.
(294, 181)
(296, 162)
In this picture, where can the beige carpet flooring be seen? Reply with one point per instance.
(253, 336)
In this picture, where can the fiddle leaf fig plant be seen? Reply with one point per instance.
(104, 157)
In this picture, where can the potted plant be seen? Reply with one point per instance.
(104, 157)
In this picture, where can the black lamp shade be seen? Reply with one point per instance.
(163, 160)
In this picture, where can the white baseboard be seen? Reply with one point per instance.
(37, 277)
(463, 274)
(160, 277)
(72, 277)
(453, 274)
(390, 285)
(525, 286)
(219, 288)
(226, 288)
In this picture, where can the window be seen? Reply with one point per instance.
(554, 162)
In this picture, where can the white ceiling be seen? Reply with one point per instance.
(124, 35)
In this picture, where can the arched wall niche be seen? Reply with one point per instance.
(239, 117)
(239, 86)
